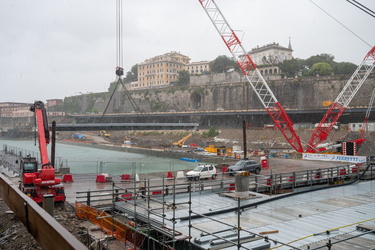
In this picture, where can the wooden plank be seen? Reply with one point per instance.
(364, 227)
(270, 232)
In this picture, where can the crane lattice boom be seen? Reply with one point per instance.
(365, 121)
(252, 74)
(342, 101)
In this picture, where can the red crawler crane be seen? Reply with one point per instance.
(252, 74)
(342, 101)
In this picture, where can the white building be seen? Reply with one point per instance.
(358, 126)
(268, 57)
(197, 68)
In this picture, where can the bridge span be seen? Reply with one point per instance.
(220, 118)
(126, 126)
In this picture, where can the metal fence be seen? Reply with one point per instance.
(270, 184)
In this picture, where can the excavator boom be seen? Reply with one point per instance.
(43, 132)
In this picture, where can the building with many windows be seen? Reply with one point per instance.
(197, 68)
(268, 57)
(16, 109)
(161, 70)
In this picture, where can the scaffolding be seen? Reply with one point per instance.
(144, 213)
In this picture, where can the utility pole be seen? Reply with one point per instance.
(244, 140)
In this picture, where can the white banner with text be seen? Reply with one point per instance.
(332, 157)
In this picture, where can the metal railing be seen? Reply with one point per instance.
(270, 184)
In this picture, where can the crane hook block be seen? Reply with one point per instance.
(119, 71)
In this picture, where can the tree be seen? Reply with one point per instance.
(132, 75)
(212, 132)
(292, 67)
(344, 68)
(222, 64)
(183, 77)
(327, 58)
(112, 86)
(321, 68)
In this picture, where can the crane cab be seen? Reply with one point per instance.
(36, 184)
(29, 165)
(29, 169)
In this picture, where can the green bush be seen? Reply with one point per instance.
(212, 132)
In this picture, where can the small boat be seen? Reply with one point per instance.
(189, 159)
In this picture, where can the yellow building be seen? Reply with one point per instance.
(161, 70)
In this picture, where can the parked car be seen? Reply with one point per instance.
(245, 165)
(202, 172)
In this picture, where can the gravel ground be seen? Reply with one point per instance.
(256, 139)
(14, 235)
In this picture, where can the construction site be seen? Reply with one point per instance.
(155, 211)
(310, 188)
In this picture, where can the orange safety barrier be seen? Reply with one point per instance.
(291, 178)
(232, 187)
(100, 178)
(170, 175)
(224, 169)
(67, 178)
(264, 164)
(318, 175)
(122, 232)
(342, 172)
(127, 196)
(125, 177)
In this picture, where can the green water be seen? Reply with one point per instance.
(82, 159)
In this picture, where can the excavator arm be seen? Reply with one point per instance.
(182, 141)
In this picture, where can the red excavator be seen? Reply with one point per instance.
(37, 183)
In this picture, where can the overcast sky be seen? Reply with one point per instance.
(53, 49)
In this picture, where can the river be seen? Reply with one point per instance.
(81, 159)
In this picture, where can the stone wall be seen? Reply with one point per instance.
(227, 91)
